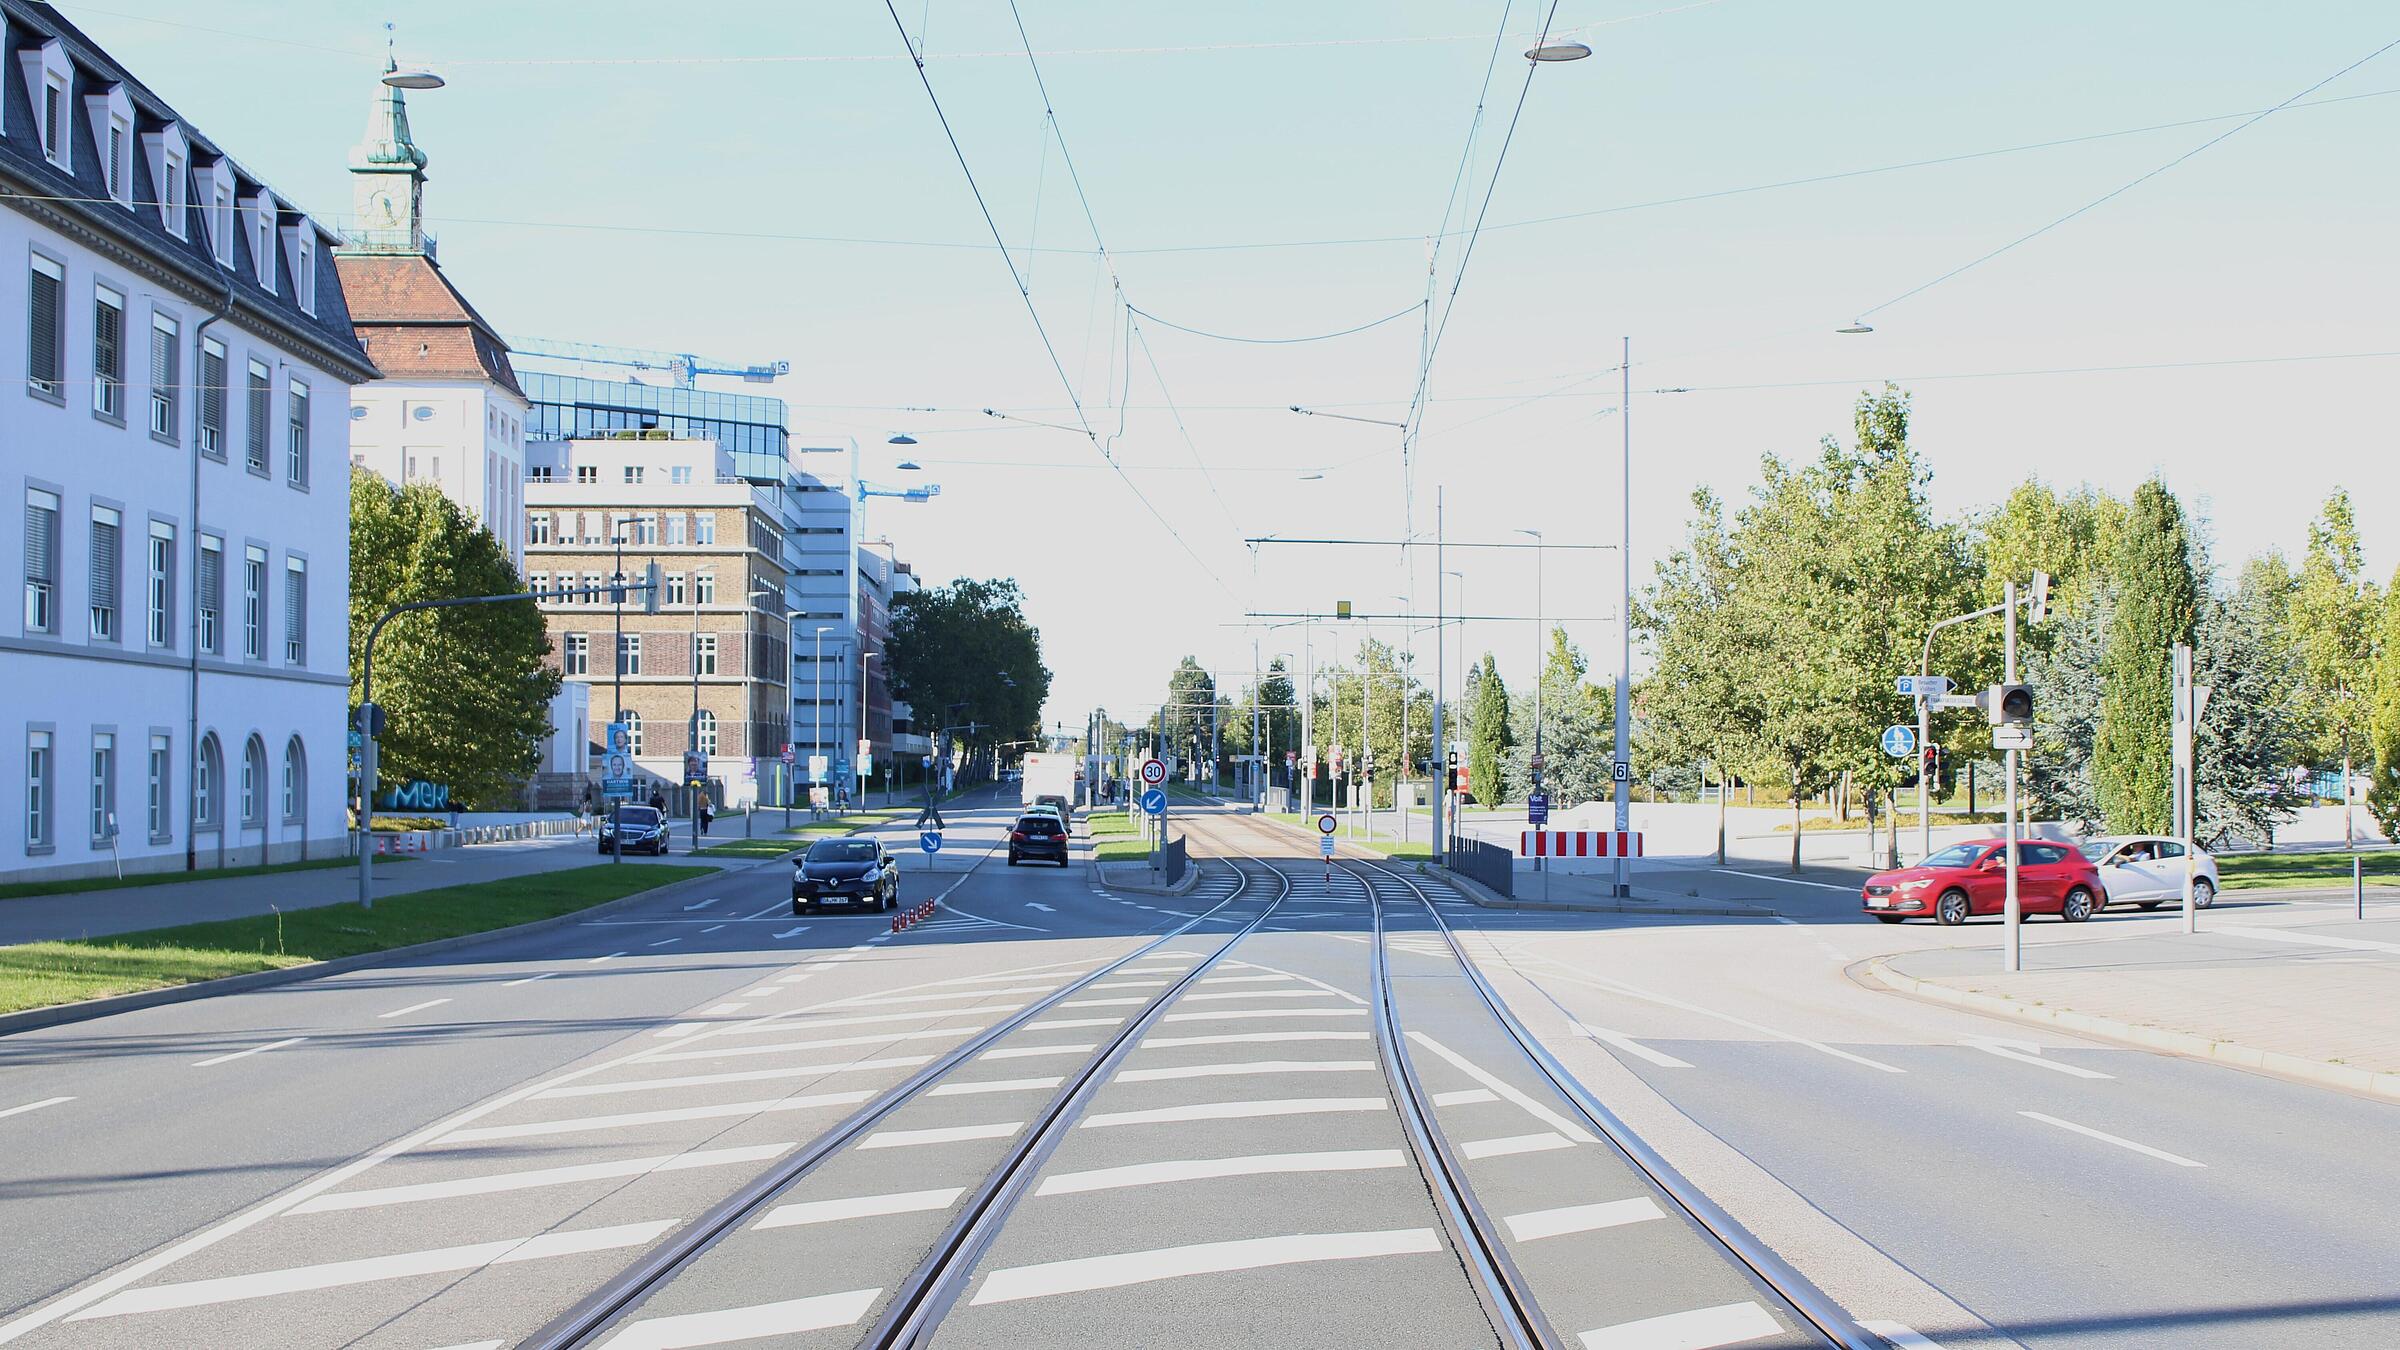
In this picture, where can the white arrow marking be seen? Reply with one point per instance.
(702, 905)
(1035, 904)
(793, 931)
(2026, 1052)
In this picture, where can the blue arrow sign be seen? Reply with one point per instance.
(1154, 801)
(1899, 741)
(930, 840)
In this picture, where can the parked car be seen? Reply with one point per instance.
(1038, 834)
(857, 873)
(2147, 870)
(645, 829)
(1964, 880)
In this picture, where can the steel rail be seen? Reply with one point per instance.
(916, 1309)
(1799, 1294)
(600, 1311)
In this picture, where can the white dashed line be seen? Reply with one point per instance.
(413, 1007)
(2106, 1138)
(858, 1207)
(529, 979)
(493, 1183)
(1699, 1329)
(587, 1124)
(1543, 1223)
(1900, 1335)
(947, 1135)
(598, 959)
(1515, 1143)
(666, 942)
(1244, 1110)
(1111, 1272)
(1255, 1066)
(1202, 1169)
(976, 1089)
(245, 1054)
(1631, 1046)
(35, 1106)
(736, 1076)
(818, 1313)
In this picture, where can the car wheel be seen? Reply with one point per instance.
(1012, 859)
(1887, 918)
(795, 909)
(2077, 907)
(1952, 909)
(2203, 895)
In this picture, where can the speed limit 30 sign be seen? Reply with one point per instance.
(1154, 772)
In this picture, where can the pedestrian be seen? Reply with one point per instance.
(583, 812)
(706, 815)
(658, 801)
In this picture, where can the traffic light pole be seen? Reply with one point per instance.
(2012, 947)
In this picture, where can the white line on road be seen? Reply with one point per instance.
(778, 906)
(947, 1135)
(1515, 1143)
(1244, 1110)
(822, 1043)
(1071, 1023)
(413, 1007)
(1560, 1222)
(967, 996)
(1104, 1003)
(1606, 985)
(702, 905)
(1230, 1014)
(1250, 1038)
(1787, 881)
(2308, 939)
(723, 1009)
(1035, 904)
(495, 1182)
(1128, 984)
(1203, 1169)
(2027, 1052)
(858, 1207)
(994, 1085)
(1900, 1335)
(245, 1054)
(1112, 1272)
(1630, 1046)
(1699, 1329)
(1524, 1103)
(333, 1275)
(710, 929)
(1264, 993)
(1036, 1051)
(794, 931)
(598, 959)
(35, 1106)
(820, 1312)
(587, 1124)
(1465, 1097)
(666, 942)
(1254, 1066)
(2106, 1138)
(1822, 945)
(529, 979)
(739, 1076)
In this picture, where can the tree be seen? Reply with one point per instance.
(2040, 529)
(1698, 704)
(1362, 713)
(1192, 710)
(2066, 710)
(2333, 613)
(2157, 607)
(1578, 732)
(1488, 733)
(465, 691)
(2383, 789)
(2256, 723)
(964, 654)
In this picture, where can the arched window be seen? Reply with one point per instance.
(254, 782)
(295, 782)
(208, 785)
(708, 732)
(633, 732)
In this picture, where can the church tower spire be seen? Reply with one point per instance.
(388, 176)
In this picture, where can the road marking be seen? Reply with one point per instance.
(1230, 1014)
(1250, 1038)
(812, 1023)
(413, 1007)
(1787, 881)
(818, 1313)
(1244, 1110)
(1067, 1023)
(495, 1182)
(1202, 1169)
(1699, 1329)
(1822, 945)
(1900, 1335)
(1566, 1219)
(702, 905)
(794, 931)
(1035, 904)
(1465, 1097)
(739, 1076)
(1129, 984)
(778, 905)
(35, 1106)
(598, 959)
(858, 1207)
(823, 1043)
(710, 929)
(666, 942)
(1036, 1051)
(1264, 993)
(245, 1054)
(2027, 1052)
(529, 979)
(724, 1008)
(1254, 1066)
(2307, 939)
(1524, 1103)
(950, 1134)
(1245, 979)
(335, 1274)
(586, 1124)
(1104, 1003)
(1630, 1046)
(1515, 1143)
(1606, 985)
(2106, 1138)
(886, 1000)
(1206, 1258)
(994, 1085)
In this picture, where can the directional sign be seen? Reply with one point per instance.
(2012, 738)
(1154, 801)
(1923, 686)
(1537, 808)
(1326, 824)
(1154, 771)
(930, 840)
(1899, 741)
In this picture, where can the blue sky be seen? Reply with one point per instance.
(595, 166)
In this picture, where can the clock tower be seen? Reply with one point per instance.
(388, 179)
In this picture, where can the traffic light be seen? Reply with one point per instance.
(1935, 765)
(2008, 705)
(654, 587)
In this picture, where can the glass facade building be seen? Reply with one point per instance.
(572, 407)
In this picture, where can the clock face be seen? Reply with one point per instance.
(383, 208)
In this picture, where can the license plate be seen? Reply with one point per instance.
(1878, 902)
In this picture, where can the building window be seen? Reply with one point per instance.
(41, 561)
(46, 315)
(591, 588)
(38, 787)
(208, 785)
(158, 791)
(539, 473)
(295, 458)
(675, 589)
(295, 782)
(162, 584)
(576, 659)
(212, 594)
(704, 588)
(536, 582)
(108, 352)
(265, 248)
(54, 122)
(295, 611)
(704, 528)
(708, 732)
(212, 398)
(220, 219)
(587, 475)
(108, 553)
(537, 528)
(104, 786)
(166, 348)
(645, 529)
(119, 149)
(173, 205)
(254, 604)
(262, 388)
(675, 527)
(704, 653)
(680, 473)
(629, 653)
(304, 272)
(254, 784)
(633, 473)
(633, 732)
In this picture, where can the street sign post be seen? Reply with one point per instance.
(1899, 741)
(1326, 824)
(1154, 772)
(1537, 808)
(1325, 846)
(1154, 801)
(1923, 686)
(930, 841)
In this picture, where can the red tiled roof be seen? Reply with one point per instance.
(414, 323)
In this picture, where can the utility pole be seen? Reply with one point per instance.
(1258, 749)
(1441, 673)
(2012, 946)
(1622, 770)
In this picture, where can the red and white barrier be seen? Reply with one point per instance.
(1580, 844)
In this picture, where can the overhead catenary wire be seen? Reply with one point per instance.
(1276, 341)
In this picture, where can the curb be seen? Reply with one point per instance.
(33, 1019)
(1488, 898)
(1191, 878)
(2316, 1073)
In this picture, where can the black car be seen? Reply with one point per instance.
(645, 829)
(1038, 835)
(853, 872)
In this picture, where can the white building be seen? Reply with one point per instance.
(174, 392)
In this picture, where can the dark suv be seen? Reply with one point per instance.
(645, 830)
(1038, 835)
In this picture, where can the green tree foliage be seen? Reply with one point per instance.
(1488, 734)
(2157, 606)
(1371, 693)
(2333, 613)
(1698, 706)
(2383, 789)
(2066, 709)
(1191, 710)
(968, 644)
(465, 691)
(2255, 726)
(1578, 732)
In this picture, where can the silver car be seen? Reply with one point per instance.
(2147, 870)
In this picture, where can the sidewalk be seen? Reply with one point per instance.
(44, 918)
(2317, 999)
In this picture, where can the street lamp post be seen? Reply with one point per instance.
(1621, 772)
(1540, 655)
(860, 774)
(816, 703)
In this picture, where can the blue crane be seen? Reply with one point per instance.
(683, 367)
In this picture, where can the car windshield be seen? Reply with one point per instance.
(2097, 849)
(1046, 821)
(1957, 855)
(841, 851)
(638, 815)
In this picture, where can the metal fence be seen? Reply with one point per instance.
(1172, 860)
(1489, 864)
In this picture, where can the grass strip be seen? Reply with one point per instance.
(1116, 837)
(40, 974)
(752, 848)
(2283, 871)
(27, 890)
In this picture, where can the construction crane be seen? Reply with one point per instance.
(682, 367)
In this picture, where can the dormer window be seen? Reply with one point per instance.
(50, 83)
(174, 199)
(54, 122)
(262, 238)
(120, 153)
(304, 271)
(111, 115)
(220, 221)
(170, 159)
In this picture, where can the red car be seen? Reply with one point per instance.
(1969, 879)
